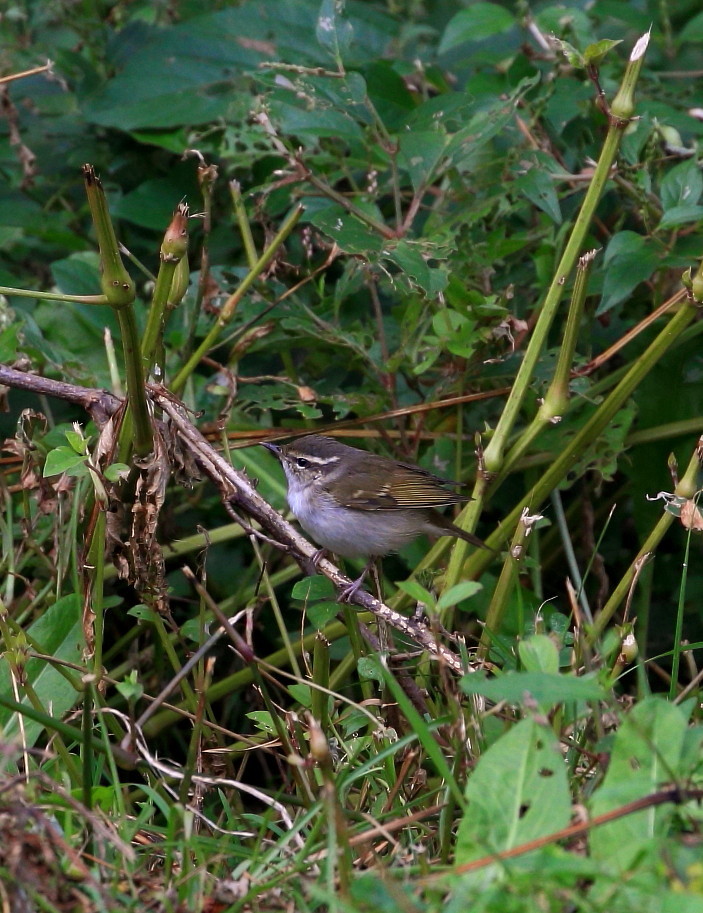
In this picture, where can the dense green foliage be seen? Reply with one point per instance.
(442, 152)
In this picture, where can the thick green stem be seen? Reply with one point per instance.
(618, 123)
(589, 433)
(118, 288)
(173, 249)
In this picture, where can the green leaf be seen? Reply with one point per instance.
(116, 471)
(420, 153)
(693, 30)
(647, 753)
(538, 187)
(479, 21)
(143, 613)
(333, 32)
(682, 186)
(546, 689)
(317, 587)
(77, 442)
(416, 591)
(629, 260)
(539, 653)
(301, 693)
(58, 633)
(681, 215)
(61, 459)
(456, 594)
(535, 802)
(595, 53)
(369, 669)
(412, 259)
(321, 614)
(349, 233)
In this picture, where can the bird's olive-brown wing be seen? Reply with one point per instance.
(394, 486)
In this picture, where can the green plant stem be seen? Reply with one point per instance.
(230, 306)
(503, 590)
(616, 128)
(118, 288)
(136, 421)
(559, 468)
(243, 223)
(686, 488)
(97, 583)
(174, 248)
(53, 296)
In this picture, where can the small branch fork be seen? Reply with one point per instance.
(237, 492)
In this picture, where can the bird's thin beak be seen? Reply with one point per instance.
(274, 448)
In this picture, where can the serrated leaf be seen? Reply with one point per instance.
(57, 633)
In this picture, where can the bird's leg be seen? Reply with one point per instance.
(348, 591)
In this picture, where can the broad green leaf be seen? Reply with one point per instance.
(321, 613)
(416, 591)
(317, 587)
(479, 21)
(538, 187)
(58, 633)
(629, 259)
(682, 186)
(77, 442)
(646, 755)
(456, 594)
(681, 215)
(152, 203)
(535, 800)
(349, 233)
(595, 53)
(693, 29)
(421, 153)
(78, 274)
(301, 694)
(61, 459)
(546, 689)
(332, 30)
(539, 653)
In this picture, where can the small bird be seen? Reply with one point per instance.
(357, 504)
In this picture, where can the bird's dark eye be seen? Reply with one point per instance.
(301, 462)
